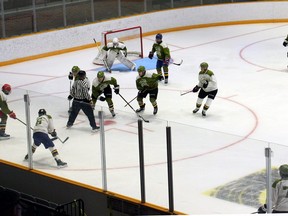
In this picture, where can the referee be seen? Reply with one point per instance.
(82, 100)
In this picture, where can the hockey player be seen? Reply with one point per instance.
(101, 84)
(279, 193)
(44, 126)
(163, 55)
(82, 100)
(5, 111)
(113, 50)
(285, 44)
(147, 83)
(73, 73)
(208, 88)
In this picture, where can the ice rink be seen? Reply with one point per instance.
(209, 153)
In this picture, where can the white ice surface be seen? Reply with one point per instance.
(249, 112)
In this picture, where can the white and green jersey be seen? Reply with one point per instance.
(147, 82)
(280, 195)
(162, 50)
(120, 47)
(3, 103)
(209, 76)
(44, 124)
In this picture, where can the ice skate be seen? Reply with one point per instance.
(4, 136)
(155, 110)
(195, 110)
(112, 113)
(69, 125)
(142, 108)
(166, 81)
(60, 164)
(203, 112)
(95, 129)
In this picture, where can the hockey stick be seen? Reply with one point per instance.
(186, 93)
(178, 64)
(24, 123)
(104, 61)
(147, 121)
(63, 140)
(131, 101)
(52, 139)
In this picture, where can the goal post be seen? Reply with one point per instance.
(131, 37)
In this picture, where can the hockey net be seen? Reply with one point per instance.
(132, 38)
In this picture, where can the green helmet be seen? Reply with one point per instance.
(75, 69)
(283, 169)
(204, 65)
(141, 69)
(100, 74)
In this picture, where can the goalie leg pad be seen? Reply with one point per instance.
(121, 57)
(111, 58)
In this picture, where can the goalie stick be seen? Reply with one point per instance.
(104, 61)
(147, 121)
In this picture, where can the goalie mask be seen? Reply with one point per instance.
(115, 42)
(6, 89)
(41, 112)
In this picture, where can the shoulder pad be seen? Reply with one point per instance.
(49, 116)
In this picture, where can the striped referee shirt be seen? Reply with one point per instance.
(80, 89)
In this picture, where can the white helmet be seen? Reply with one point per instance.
(115, 41)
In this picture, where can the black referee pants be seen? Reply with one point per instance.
(78, 105)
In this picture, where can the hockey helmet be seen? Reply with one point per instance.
(141, 69)
(75, 69)
(81, 74)
(159, 36)
(283, 170)
(6, 88)
(100, 74)
(41, 112)
(204, 65)
(115, 41)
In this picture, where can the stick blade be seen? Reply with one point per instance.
(65, 139)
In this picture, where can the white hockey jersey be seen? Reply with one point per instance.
(207, 76)
(280, 195)
(44, 124)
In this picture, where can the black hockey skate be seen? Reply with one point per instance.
(195, 110)
(4, 136)
(155, 110)
(60, 164)
(142, 108)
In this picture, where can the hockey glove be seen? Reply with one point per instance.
(54, 134)
(70, 97)
(160, 78)
(262, 209)
(101, 98)
(12, 115)
(150, 55)
(196, 88)
(166, 61)
(205, 84)
(116, 89)
(70, 76)
(285, 43)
